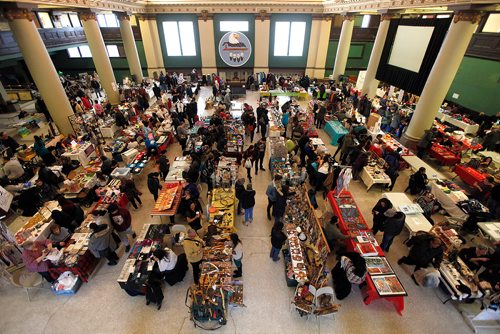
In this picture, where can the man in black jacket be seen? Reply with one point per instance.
(425, 249)
(393, 225)
(278, 239)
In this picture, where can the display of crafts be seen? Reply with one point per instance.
(299, 266)
(388, 285)
(138, 163)
(392, 144)
(378, 265)
(166, 199)
(350, 214)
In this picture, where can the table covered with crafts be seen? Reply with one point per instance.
(139, 265)
(335, 130)
(222, 208)
(459, 137)
(169, 199)
(374, 175)
(179, 165)
(381, 281)
(443, 155)
(392, 145)
(449, 195)
(469, 175)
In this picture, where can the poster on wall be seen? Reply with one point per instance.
(235, 48)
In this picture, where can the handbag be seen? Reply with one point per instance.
(248, 163)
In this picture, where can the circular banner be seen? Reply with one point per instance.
(235, 48)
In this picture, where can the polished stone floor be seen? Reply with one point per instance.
(101, 306)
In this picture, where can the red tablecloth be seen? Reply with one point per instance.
(468, 174)
(83, 268)
(369, 289)
(466, 143)
(443, 155)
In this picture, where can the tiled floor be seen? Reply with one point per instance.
(102, 307)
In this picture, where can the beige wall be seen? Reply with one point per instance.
(262, 31)
(207, 46)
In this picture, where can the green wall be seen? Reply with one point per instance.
(63, 63)
(289, 62)
(250, 34)
(179, 62)
(477, 84)
(359, 56)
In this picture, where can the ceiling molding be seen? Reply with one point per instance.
(250, 6)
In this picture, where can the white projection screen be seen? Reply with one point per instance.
(410, 44)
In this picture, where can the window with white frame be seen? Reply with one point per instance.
(233, 26)
(75, 21)
(45, 20)
(289, 38)
(65, 21)
(492, 23)
(113, 51)
(107, 21)
(366, 21)
(82, 51)
(179, 44)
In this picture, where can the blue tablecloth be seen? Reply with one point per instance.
(335, 130)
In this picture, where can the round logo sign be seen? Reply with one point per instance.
(235, 48)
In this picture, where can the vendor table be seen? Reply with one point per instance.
(468, 174)
(223, 208)
(335, 130)
(455, 274)
(374, 175)
(83, 153)
(494, 155)
(83, 268)
(468, 128)
(458, 138)
(299, 95)
(392, 145)
(179, 165)
(491, 230)
(109, 131)
(415, 163)
(443, 155)
(449, 200)
(175, 203)
(139, 265)
(413, 222)
(345, 207)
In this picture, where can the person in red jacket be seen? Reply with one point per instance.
(122, 223)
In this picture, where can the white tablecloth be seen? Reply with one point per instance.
(414, 222)
(447, 202)
(468, 128)
(370, 179)
(415, 163)
(491, 229)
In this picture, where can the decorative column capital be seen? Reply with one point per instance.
(321, 17)
(471, 16)
(387, 17)
(263, 15)
(144, 17)
(88, 16)
(12, 14)
(121, 16)
(205, 15)
(348, 17)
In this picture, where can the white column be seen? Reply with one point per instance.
(370, 84)
(129, 45)
(207, 44)
(442, 74)
(152, 47)
(261, 44)
(313, 46)
(324, 38)
(100, 56)
(343, 47)
(40, 65)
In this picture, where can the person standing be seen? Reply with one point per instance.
(247, 203)
(237, 254)
(392, 227)
(33, 256)
(129, 188)
(193, 216)
(193, 247)
(260, 152)
(41, 150)
(122, 223)
(9, 142)
(102, 244)
(280, 204)
(272, 193)
(163, 166)
(278, 239)
(154, 185)
(378, 214)
(249, 156)
(182, 135)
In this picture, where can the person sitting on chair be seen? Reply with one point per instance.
(173, 268)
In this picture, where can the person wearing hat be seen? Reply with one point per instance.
(193, 247)
(475, 257)
(393, 225)
(102, 244)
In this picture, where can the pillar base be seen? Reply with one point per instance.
(409, 142)
(208, 70)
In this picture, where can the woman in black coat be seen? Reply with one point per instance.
(247, 203)
(278, 239)
(154, 185)
(378, 214)
(280, 204)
